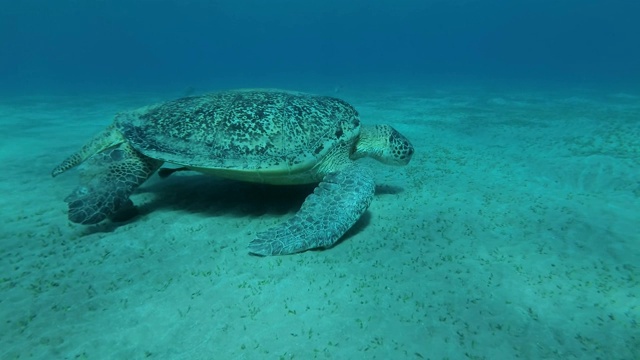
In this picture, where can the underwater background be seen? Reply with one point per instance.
(513, 233)
(154, 44)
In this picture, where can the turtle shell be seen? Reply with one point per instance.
(244, 130)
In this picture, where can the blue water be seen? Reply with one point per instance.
(80, 45)
(512, 233)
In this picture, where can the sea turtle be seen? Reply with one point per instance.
(265, 136)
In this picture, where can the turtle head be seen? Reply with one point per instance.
(385, 144)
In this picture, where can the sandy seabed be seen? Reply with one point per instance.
(513, 233)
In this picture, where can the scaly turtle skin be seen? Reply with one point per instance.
(267, 136)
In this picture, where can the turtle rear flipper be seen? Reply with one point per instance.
(335, 205)
(107, 182)
(107, 138)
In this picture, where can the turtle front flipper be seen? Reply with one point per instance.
(107, 181)
(335, 205)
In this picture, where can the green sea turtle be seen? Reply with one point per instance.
(266, 136)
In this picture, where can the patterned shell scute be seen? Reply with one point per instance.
(243, 130)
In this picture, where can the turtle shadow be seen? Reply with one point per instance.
(383, 189)
(211, 196)
(207, 195)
